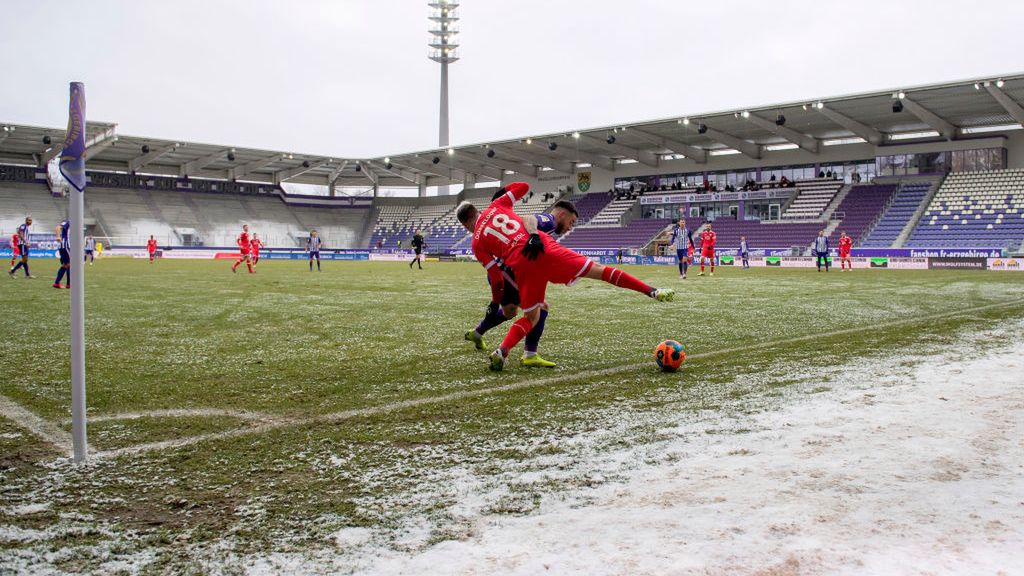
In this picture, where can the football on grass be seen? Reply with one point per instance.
(669, 355)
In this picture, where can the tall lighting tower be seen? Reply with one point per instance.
(444, 18)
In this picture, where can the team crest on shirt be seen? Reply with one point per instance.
(583, 181)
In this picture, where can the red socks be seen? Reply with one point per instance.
(517, 332)
(701, 265)
(617, 277)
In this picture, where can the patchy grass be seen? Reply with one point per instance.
(293, 346)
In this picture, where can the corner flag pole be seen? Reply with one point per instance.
(72, 167)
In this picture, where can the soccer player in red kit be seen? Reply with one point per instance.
(15, 253)
(707, 248)
(254, 249)
(244, 246)
(500, 236)
(845, 244)
(151, 248)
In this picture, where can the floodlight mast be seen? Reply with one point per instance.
(444, 18)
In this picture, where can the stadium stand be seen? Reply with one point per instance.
(589, 205)
(974, 209)
(897, 215)
(636, 234)
(812, 197)
(860, 209)
(760, 235)
(611, 214)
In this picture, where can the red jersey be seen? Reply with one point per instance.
(151, 246)
(845, 244)
(243, 242)
(499, 232)
(15, 240)
(707, 240)
(255, 245)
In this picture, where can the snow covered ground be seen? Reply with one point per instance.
(911, 465)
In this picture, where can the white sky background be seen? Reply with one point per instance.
(351, 78)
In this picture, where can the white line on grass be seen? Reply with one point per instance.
(44, 429)
(183, 413)
(467, 394)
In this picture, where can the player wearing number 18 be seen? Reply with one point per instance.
(502, 236)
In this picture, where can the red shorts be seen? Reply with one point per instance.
(14, 251)
(244, 252)
(844, 254)
(557, 264)
(707, 253)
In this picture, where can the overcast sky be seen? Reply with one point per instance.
(351, 77)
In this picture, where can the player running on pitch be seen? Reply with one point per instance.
(682, 239)
(821, 250)
(22, 246)
(501, 236)
(15, 252)
(707, 248)
(845, 245)
(313, 245)
(254, 249)
(560, 220)
(65, 253)
(417, 243)
(90, 250)
(744, 252)
(151, 248)
(244, 245)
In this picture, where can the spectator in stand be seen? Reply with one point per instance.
(828, 174)
(821, 174)
(855, 177)
(784, 182)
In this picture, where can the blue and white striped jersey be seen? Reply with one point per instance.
(65, 238)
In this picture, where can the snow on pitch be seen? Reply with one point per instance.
(884, 474)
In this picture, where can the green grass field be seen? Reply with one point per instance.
(234, 415)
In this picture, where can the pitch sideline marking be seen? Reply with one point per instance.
(44, 429)
(336, 417)
(182, 413)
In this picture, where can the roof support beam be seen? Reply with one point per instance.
(939, 124)
(534, 160)
(139, 162)
(746, 147)
(242, 171)
(334, 175)
(1009, 104)
(497, 162)
(406, 175)
(574, 155)
(193, 167)
(370, 175)
(792, 136)
(645, 157)
(289, 173)
(471, 165)
(5, 133)
(858, 128)
(698, 155)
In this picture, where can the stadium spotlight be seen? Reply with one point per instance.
(610, 139)
(576, 135)
(901, 95)
(451, 151)
(359, 167)
(552, 146)
(702, 128)
(436, 160)
(47, 140)
(231, 156)
(444, 45)
(897, 107)
(490, 153)
(977, 86)
(529, 141)
(746, 114)
(999, 83)
(145, 148)
(819, 105)
(780, 120)
(388, 164)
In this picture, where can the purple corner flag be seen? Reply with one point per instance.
(72, 159)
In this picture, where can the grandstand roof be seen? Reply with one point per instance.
(948, 111)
